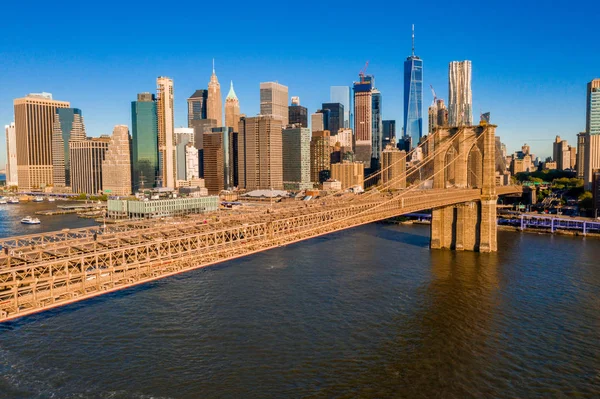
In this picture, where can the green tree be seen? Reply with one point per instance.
(586, 200)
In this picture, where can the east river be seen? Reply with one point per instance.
(366, 313)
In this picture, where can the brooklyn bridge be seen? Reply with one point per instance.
(455, 179)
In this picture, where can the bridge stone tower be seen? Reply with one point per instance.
(465, 158)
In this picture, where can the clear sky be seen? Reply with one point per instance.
(531, 60)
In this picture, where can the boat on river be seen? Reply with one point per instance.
(30, 220)
(13, 200)
(38, 199)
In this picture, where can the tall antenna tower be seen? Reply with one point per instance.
(413, 40)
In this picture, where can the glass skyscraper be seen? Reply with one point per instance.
(413, 97)
(389, 132)
(341, 95)
(335, 121)
(144, 123)
(68, 126)
(377, 135)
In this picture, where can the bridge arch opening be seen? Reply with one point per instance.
(475, 167)
(450, 167)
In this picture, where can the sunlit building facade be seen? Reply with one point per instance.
(214, 105)
(274, 101)
(116, 166)
(166, 145)
(34, 125)
(460, 97)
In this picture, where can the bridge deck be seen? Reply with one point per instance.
(48, 270)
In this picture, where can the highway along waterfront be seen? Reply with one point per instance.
(369, 312)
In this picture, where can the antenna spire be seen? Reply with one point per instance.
(214, 64)
(413, 40)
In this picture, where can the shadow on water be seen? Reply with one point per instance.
(440, 350)
(85, 305)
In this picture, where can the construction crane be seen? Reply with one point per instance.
(363, 71)
(434, 96)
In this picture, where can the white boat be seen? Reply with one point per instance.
(3, 200)
(30, 220)
(50, 199)
(38, 199)
(13, 200)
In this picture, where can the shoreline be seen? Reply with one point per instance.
(502, 227)
(548, 232)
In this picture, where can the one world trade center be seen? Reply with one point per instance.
(413, 96)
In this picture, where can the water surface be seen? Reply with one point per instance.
(365, 313)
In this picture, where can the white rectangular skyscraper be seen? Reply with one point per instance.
(11, 156)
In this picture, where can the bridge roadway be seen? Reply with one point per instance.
(50, 270)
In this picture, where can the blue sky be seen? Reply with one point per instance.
(531, 62)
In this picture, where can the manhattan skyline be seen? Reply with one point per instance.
(520, 74)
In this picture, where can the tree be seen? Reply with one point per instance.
(586, 200)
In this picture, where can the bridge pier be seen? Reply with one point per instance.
(467, 159)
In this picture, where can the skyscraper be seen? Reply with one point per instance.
(432, 119)
(260, 153)
(363, 119)
(183, 137)
(460, 98)
(274, 100)
(320, 156)
(377, 134)
(298, 115)
(341, 95)
(192, 164)
(144, 124)
(413, 95)
(580, 154)
(442, 113)
(219, 159)
(232, 109)
(34, 124)
(197, 106)
(201, 127)
(116, 166)
(11, 156)
(592, 137)
(214, 106)
(389, 131)
(86, 164)
(68, 125)
(561, 154)
(336, 117)
(393, 166)
(296, 158)
(166, 145)
(317, 122)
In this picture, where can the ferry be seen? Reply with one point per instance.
(50, 199)
(38, 199)
(3, 200)
(30, 220)
(13, 200)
